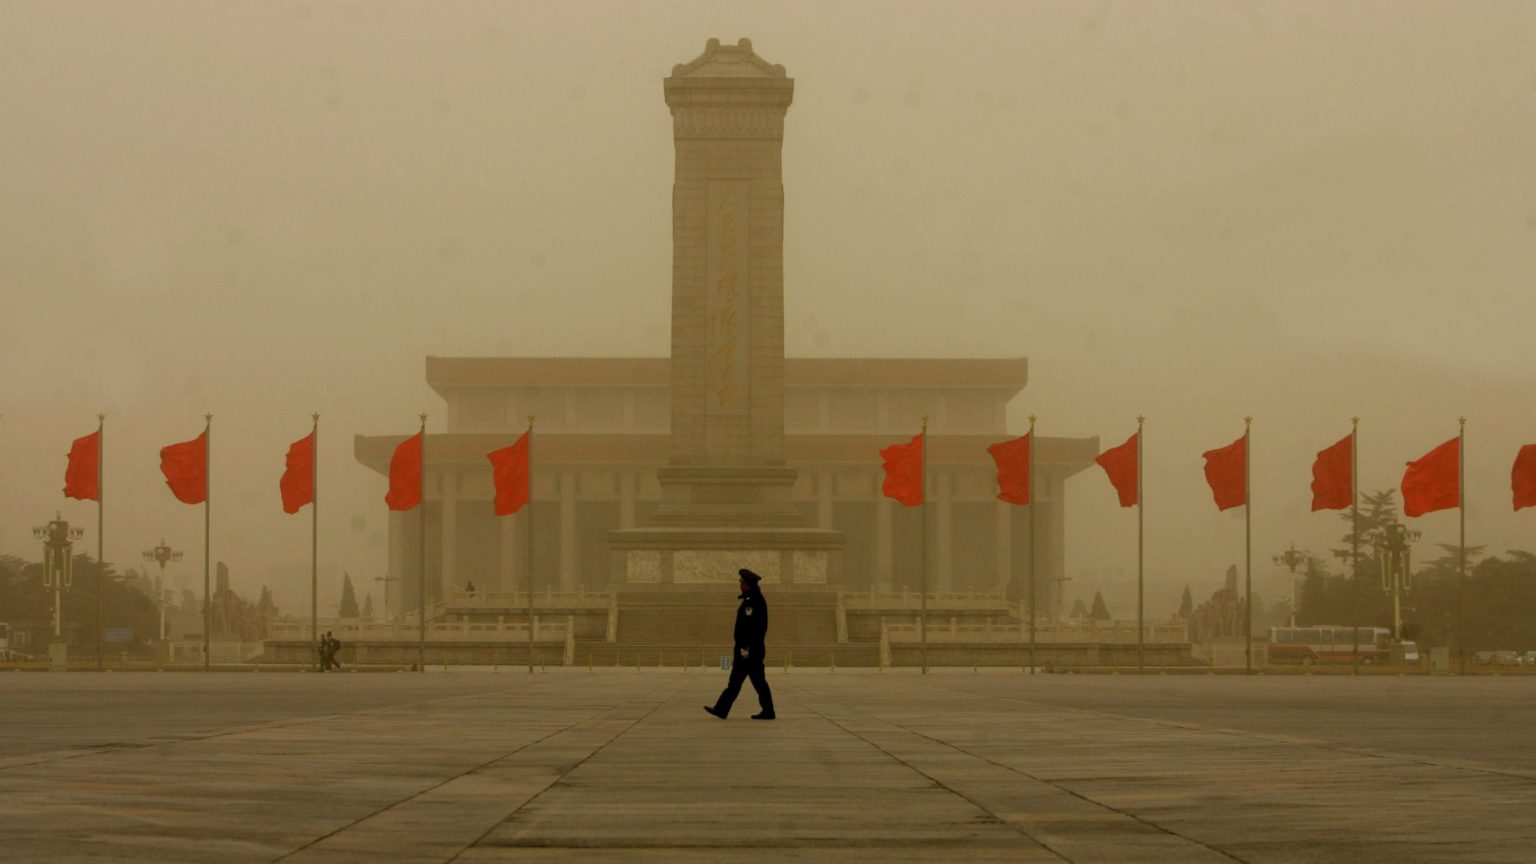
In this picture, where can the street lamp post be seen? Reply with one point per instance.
(386, 579)
(1292, 559)
(58, 564)
(161, 555)
(1396, 569)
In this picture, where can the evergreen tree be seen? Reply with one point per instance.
(265, 607)
(1079, 611)
(348, 597)
(1100, 611)
(1186, 605)
(368, 606)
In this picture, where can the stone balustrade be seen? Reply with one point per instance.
(437, 631)
(1107, 632)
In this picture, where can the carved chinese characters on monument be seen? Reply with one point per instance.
(727, 299)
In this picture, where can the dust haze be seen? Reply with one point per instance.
(1191, 211)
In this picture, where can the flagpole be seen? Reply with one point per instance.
(528, 546)
(1141, 626)
(922, 621)
(314, 539)
(1461, 558)
(1248, 543)
(421, 558)
(101, 563)
(1034, 561)
(1354, 539)
(207, 533)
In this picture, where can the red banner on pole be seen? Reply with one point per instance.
(298, 483)
(1119, 463)
(510, 471)
(1523, 478)
(1012, 458)
(83, 473)
(185, 467)
(1433, 481)
(1226, 470)
(1333, 475)
(904, 471)
(405, 472)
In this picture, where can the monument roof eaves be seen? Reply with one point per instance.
(728, 61)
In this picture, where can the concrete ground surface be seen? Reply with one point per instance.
(619, 765)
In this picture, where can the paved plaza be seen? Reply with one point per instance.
(619, 765)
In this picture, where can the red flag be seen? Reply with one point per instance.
(405, 474)
(1524, 477)
(185, 467)
(82, 474)
(1433, 482)
(1226, 469)
(904, 471)
(1333, 475)
(1012, 458)
(509, 471)
(1120, 464)
(298, 483)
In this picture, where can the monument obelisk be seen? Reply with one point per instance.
(726, 499)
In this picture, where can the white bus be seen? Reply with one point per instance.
(1328, 643)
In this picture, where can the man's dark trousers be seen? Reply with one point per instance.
(741, 669)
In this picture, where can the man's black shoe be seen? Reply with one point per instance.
(764, 716)
(712, 712)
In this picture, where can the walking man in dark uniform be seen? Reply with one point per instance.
(747, 659)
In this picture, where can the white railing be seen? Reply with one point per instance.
(914, 600)
(505, 629)
(947, 630)
(190, 651)
(519, 600)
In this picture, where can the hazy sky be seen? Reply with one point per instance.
(1191, 210)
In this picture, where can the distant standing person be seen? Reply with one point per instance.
(747, 659)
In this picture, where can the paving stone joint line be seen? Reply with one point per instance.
(427, 790)
(945, 786)
(1053, 784)
(1287, 740)
(677, 687)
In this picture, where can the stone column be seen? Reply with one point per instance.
(882, 575)
(727, 442)
(627, 483)
(567, 531)
(449, 579)
(824, 481)
(510, 529)
(398, 566)
(943, 534)
(1002, 522)
(1052, 530)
